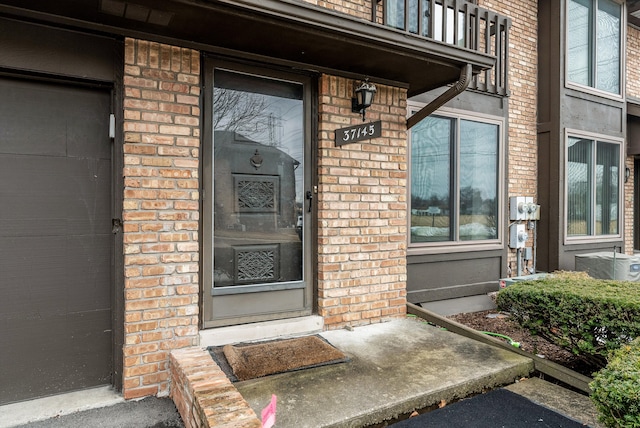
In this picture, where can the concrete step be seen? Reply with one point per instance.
(561, 400)
(395, 368)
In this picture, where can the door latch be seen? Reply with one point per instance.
(116, 225)
(309, 196)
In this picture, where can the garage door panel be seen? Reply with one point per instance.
(58, 196)
(35, 111)
(34, 273)
(70, 120)
(89, 208)
(53, 274)
(52, 354)
(89, 281)
(55, 239)
(80, 134)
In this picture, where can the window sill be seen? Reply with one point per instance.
(595, 239)
(594, 92)
(454, 247)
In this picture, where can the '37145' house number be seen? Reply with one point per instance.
(358, 133)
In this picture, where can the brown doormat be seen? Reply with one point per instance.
(250, 361)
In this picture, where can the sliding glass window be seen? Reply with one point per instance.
(593, 187)
(455, 176)
(594, 35)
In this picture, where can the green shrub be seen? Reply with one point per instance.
(589, 317)
(615, 390)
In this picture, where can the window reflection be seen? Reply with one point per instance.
(454, 180)
(594, 29)
(258, 180)
(593, 189)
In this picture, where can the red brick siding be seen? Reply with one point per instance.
(203, 394)
(633, 63)
(161, 210)
(357, 8)
(362, 209)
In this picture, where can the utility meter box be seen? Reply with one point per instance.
(518, 236)
(609, 265)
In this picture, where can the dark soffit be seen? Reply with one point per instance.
(284, 31)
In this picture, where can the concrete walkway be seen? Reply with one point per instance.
(97, 407)
(395, 368)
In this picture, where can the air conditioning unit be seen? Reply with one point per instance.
(609, 265)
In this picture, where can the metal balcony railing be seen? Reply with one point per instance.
(456, 22)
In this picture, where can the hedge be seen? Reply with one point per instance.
(589, 317)
(615, 390)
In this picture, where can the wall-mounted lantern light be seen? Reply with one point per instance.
(364, 98)
(627, 173)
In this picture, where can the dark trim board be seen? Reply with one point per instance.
(542, 365)
(444, 293)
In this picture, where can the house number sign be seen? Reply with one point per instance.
(358, 133)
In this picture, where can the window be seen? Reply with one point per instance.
(593, 187)
(455, 176)
(594, 30)
(395, 17)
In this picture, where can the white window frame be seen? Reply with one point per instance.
(582, 239)
(461, 246)
(623, 36)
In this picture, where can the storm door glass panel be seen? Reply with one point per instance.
(478, 181)
(394, 13)
(607, 188)
(579, 191)
(437, 26)
(426, 18)
(608, 46)
(258, 180)
(579, 42)
(431, 181)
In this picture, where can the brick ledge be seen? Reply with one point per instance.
(203, 394)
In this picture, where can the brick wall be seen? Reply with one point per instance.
(362, 207)
(203, 394)
(523, 61)
(356, 8)
(633, 63)
(161, 210)
(632, 90)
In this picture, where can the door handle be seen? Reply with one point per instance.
(309, 196)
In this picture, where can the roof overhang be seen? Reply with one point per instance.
(280, 31)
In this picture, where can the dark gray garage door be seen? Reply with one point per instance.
(55, 239)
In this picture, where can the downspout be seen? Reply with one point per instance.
(455, 90)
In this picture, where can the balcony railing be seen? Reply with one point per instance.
(455, 22)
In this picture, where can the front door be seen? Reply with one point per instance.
(257, 197)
